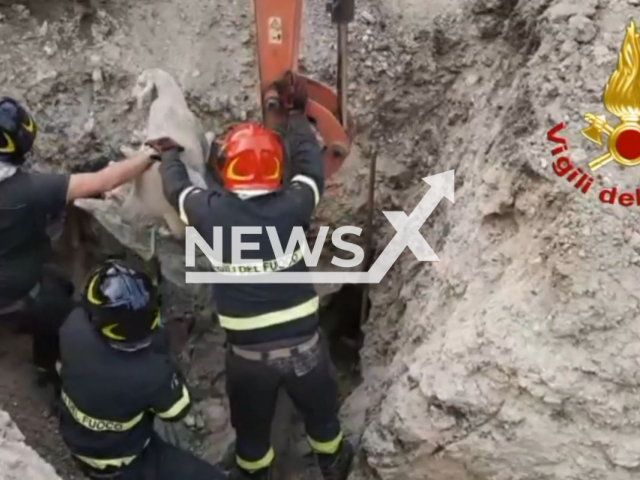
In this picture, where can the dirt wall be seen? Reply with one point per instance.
(514, 357)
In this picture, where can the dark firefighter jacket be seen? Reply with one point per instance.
(27, 202)
(110, 397)
(258, 313)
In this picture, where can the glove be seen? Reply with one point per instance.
(162, 145)
(292, 90)
(215, 155)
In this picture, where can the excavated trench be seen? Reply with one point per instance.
(86, 55)
(198, 344)
(512, 357)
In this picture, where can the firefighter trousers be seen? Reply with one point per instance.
(160, 461)
(252, 387)
(43, 316)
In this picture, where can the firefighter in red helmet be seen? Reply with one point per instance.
(272, 329)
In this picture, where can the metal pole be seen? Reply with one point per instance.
(343, 69)
(368, 247)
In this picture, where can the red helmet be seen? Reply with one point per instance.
(253, 159)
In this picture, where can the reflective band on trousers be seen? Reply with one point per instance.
(264, 462)
(96, 424)
(101, 464)
(269, 319)
(326, 447)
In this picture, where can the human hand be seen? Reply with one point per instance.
(292, 92)
(164, 144)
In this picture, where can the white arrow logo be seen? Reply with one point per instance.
(408, 235)
(408, 228)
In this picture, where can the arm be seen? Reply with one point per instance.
(85, 185)
(306, 166)
(306, 163)
(178, 189)
(175, 178)
(171, 401)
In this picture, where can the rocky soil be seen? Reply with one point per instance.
(17, 460)
(515, 356)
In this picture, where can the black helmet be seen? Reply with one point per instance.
(18, 131)
(123, 303)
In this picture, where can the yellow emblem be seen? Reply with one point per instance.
(233, 175)
(622, 99)
(10, 147)
(109, 332)
(30, 126)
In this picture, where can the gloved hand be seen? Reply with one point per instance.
(292, 90)
(164, 144)
(215, 154)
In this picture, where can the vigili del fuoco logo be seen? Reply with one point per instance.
(621, 141)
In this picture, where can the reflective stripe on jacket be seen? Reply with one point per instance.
(258, 313)
(110, 397)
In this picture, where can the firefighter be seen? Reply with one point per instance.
(30, 294)
(272, 330)
(117, 375)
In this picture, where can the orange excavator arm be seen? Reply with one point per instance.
(278, 25)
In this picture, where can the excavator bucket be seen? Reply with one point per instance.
(278, 25)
